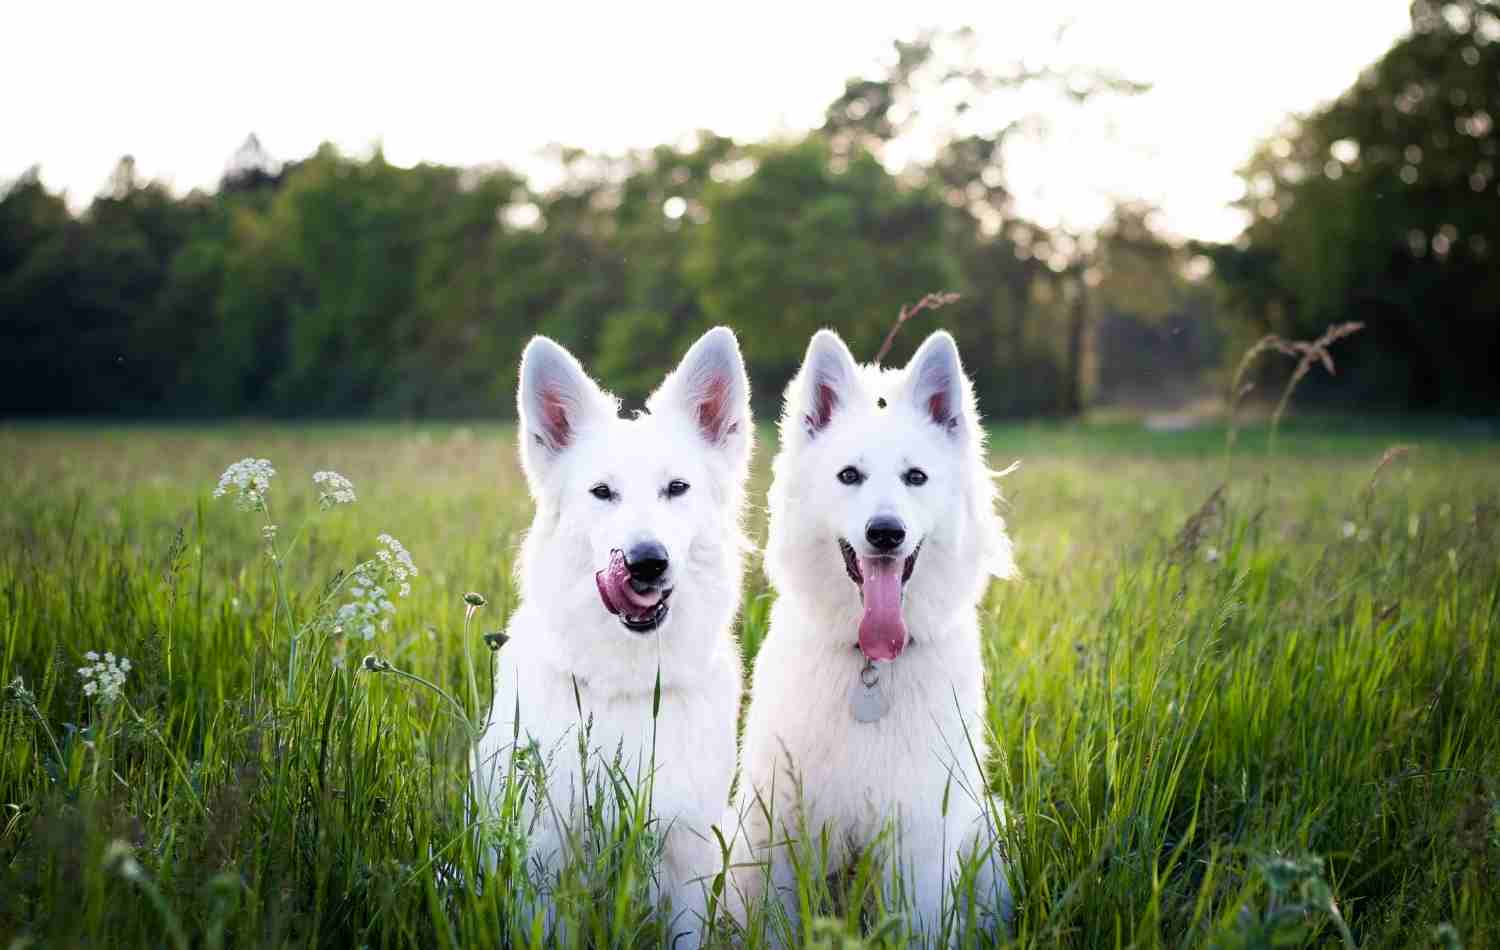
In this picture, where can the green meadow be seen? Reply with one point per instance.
(1242, 698)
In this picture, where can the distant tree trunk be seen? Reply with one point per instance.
(1078, 315)
(1020, 299)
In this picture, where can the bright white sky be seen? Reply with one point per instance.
(180, 85)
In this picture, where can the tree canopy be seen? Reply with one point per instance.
(336, 285)
(1384, 207)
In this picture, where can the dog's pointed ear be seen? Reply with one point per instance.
(556, 402)
(826, 383)
(710, 385)
(935, 382)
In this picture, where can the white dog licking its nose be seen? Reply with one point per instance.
(630, 578)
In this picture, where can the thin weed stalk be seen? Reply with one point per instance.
(933, 301)
(1305, 352)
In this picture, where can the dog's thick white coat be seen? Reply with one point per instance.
(806, 763)
(697, 430)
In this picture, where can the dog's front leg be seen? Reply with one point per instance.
(783, 929)
(924, 877)
(953, 872)
(761, 885)
(984, 849)
(689, 863)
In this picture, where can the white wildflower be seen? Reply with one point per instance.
(17, 690)
(103, 677)
(250, 480)
(396, 557)
(370, 609)
(1350, 529)
(1211, 554)
(333, 489)
(120, 858)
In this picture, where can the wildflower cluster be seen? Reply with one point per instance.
(250, 480)
(371, 608)
(120, 858)
(397, 560)
(17, 691)
(104, 676)
(333, 489)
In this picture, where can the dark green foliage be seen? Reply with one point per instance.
(337, 286)
(810, 240)
(1384, 207)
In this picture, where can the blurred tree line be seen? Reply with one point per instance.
(344, 286)
(1384, 206)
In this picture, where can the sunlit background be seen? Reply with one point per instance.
(178, 86)
(337, 210)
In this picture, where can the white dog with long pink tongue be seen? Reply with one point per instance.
(630, 577)
(867, 710)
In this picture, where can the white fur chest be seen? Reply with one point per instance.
(695, 719)
(856, 775)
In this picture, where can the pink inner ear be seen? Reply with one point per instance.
(825, 401)
(555, 425)
(938, 408)
(713, 406)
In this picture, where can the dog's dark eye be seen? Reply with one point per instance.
(677, 488)
(850, 475)
(601, 491)
(914, 477)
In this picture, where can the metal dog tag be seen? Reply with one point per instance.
(868, 701)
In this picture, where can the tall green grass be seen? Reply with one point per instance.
(1282, 727)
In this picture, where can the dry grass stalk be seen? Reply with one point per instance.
(1392, 454)
(1198, 524)
(1305, 352)
(930, 302)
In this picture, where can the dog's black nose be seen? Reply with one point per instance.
(646, 561)
(885, 533)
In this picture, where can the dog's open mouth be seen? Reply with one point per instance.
(882, 585)
(640, 607)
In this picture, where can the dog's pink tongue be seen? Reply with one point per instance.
(882, 631)
(609, 588)
(615, 590)
(613, 582)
